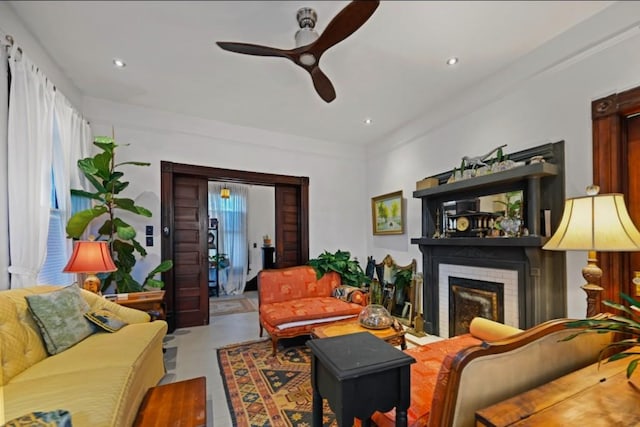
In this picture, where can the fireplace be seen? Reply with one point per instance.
(535, 286)
(470, 298)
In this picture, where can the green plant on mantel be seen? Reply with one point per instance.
(340, 262)
(103, 173)
(628, 325)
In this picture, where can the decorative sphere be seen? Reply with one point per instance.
(375, 316)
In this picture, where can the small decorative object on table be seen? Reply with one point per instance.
(375, 316)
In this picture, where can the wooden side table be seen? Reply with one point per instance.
(359, 374)
(593, 396)
(389, 334)
(182, 403)
(150, 302)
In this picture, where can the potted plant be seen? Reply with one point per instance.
(510, 222)
(219, 261)
(628, 326)
(103, 173)
(340, 262)
(401, 281)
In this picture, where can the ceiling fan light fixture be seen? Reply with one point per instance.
(307, 59)
(305, 36)
(306, 18)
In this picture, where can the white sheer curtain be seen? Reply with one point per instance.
(30, 133)
(75, 142)
(4, 204)
(232, 233)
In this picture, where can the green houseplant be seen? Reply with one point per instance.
(340, 262)
(403, 278)
(219, 261)
(628, 326)
(103, 173)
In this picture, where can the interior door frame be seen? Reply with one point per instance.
(167, 172)
(609, 117)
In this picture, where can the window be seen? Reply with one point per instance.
(56, 256)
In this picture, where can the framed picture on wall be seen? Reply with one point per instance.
(386, 214)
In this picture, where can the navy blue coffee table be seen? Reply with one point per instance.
(359, 374)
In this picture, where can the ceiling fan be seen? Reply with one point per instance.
(310, 46)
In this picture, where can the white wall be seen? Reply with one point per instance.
(554, 104)
(261, 220)
(337, 202)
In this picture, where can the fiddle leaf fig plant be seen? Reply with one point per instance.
(340, 262)
(103, 173)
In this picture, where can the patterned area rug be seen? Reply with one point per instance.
(221, 307)
(264, 390)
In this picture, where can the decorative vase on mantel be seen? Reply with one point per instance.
(511, 226)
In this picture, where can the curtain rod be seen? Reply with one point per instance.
(10, 41)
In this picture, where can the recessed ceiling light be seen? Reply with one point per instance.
(368, 121)
(452, 61)
(119, 63)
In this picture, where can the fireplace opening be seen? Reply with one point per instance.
(469, 298)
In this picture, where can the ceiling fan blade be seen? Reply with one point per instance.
(345, 23)
(253, 49)
(322, 84)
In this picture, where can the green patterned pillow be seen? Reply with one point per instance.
(106, 320)
(59, 315)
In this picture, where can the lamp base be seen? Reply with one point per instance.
(592, 274)
(92, 284)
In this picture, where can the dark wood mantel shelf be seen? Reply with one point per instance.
(536, 170)
(527, 241)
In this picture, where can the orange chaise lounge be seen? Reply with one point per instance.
(292, 301)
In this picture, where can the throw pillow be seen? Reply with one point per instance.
(348, 293)
(59, 315)
(57, 418)
(105, 320)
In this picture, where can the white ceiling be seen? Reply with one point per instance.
(392, 69)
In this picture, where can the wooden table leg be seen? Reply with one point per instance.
(317, 409)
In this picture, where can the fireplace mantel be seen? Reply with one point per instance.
(541, 274)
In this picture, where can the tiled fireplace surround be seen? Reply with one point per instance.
(508, 279)
(534, 289)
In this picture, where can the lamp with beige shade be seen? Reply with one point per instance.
(596, 222)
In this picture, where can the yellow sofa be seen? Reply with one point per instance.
(101, 380)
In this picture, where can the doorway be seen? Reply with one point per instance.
(185, 237)
(616, 150)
